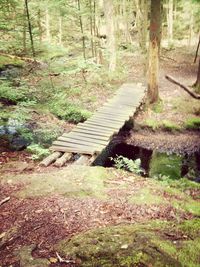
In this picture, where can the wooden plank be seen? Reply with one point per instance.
(103, 123)
(87, 131)
(113, 114)
(107, 119)
(74, 150)
(103, 126)
(81, 139)
(95, 128)
(76, 145)
(90, 136)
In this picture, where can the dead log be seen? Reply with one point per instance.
(51, 158)
(187, 89)
(30, 60)
(63, 159)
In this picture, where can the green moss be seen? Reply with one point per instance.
(134, 245)
(170, 126)
(5, 61)
(26, 258)
(192, 123)
(190, 228)
(187, 205)
(163, 164)
(146, 197)
(70, 182)
(158, 107)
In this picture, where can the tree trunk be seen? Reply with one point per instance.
(30, 28)
(110, 28)
(142, 20)
(82, 31)
(24, 30)
(60, 31)
(92, 28)
(47, 24)
(154, 43)
(170, 22)
(197, 83)
(39, 26)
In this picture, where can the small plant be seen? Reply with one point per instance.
(170, 126)
(158, 107)
(38, 151)
(128, 164)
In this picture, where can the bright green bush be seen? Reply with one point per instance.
(38, 151)
(128, 164)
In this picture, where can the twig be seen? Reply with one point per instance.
(4, 200)
(61, 260)
(171, 79)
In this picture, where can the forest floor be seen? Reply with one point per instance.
(93, 216)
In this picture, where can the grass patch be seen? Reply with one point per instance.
(146, 197)
(192, 123)
(71, 182)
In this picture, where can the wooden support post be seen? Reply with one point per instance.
(63, 159)
(83, 160)
(51, 158)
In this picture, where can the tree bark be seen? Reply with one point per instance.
(82, 31)
(60, 31)
(170, 22)
(30, 28)
(154, 47)
(197, 83)
(24, 30)
(47, 24)
(110, 28)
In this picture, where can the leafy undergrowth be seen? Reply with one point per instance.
(94, 216)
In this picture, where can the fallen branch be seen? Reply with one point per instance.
(61, 260)
(187, 89)
(21, 58)
(4, 200)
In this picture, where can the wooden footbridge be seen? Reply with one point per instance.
(93, 136)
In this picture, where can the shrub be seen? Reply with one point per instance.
(128, 164)
(38, 151)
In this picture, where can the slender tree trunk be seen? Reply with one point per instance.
(47, 24)
(30, 28)
(142, 21)
(170, 21)
(39, 25)
(60, 31)
(24, 29)
(111, 40)
(82, 31)
(92, 28)
(191, 28)
(154, 43)
(197, 83)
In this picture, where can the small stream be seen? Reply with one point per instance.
(156, 164)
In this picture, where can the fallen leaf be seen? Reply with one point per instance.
(53, 260)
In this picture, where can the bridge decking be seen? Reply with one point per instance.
(94, 135)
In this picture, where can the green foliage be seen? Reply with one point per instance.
(158, 107)
(164, 166)
(38, 151)
(67, 111)
(192, 123)
(128, 164)
(9, 93)
(170, 126)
